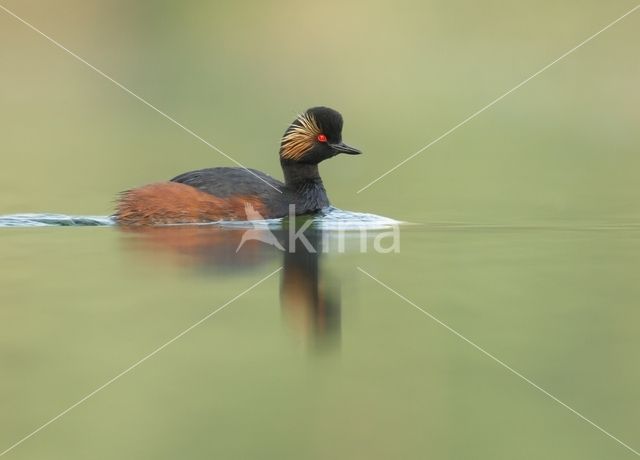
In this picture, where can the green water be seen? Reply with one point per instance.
(319, 360)
(524, 235)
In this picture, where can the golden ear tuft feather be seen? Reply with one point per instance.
(300, 137)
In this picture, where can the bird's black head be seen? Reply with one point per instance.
(314, 136)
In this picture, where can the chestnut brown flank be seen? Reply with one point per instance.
(172, 202)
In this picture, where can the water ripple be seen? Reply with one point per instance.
(329, 219)
(53, 220)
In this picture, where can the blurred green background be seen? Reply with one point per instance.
(563, 147)
(551, 288)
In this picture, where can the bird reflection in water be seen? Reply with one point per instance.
(309, 296)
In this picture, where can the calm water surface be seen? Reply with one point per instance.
(319, 361)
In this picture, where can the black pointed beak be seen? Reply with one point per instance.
(344, 148)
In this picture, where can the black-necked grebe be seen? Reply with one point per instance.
(215, 194)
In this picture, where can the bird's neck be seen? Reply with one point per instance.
(303, 180)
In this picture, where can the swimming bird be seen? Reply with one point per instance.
(224, 193)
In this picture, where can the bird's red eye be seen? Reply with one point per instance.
(322, 138)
